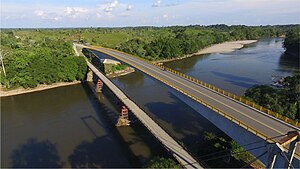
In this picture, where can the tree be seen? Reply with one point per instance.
(160, 162)
(292, 42)
(283, 101)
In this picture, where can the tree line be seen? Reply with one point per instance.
(292, 42)
(29, 62)
(178, 41)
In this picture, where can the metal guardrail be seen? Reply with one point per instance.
(221, 112)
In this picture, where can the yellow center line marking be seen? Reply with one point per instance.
(135, 64)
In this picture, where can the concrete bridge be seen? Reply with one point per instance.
(183, 157)
(240, 119)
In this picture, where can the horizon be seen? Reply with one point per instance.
(148, 26)
(152, 13)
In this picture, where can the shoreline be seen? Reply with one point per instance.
(224, 47)
(41, 87)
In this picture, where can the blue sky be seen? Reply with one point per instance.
(116, 13)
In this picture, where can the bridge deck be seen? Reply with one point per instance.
(266, 125)
(178, 152)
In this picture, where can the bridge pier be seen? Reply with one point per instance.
(237, 133)
(123, 119)
(99, 86)
(89, 76)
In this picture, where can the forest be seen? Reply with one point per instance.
(30, 62)
(285, 101)
(292, 42)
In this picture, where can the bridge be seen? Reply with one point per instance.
(256, 120)
(183, 157)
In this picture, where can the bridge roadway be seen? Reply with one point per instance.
(174, 148)
(259, 121)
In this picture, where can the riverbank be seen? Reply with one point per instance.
(4, 93)
(225, 47)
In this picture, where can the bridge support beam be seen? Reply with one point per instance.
(233, 130)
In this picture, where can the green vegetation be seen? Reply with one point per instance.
(29, 62)
(160, 162)
(292, 42)
(118, 67)
(285, 101)
(220, 151)
(110, 68)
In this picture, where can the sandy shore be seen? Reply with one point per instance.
(38, 88)
(217, 48)
(225, 47)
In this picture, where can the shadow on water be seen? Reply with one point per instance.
(36, 154)
(106, 113)
(241, 84)
(132, 79)
(234, 77)
(186, 64)
(141, 142)
(289, 62)
(181, 121)
(85, 122)
(132, 138)
(97, 153)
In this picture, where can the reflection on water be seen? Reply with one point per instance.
(236, 71)
(68, 127)
(36, 154)
(288, 62)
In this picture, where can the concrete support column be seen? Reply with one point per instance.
(89, 76)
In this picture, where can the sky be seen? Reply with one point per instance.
(122, 13)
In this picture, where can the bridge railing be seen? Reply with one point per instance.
(220, 91)
(234, 97)
(219, 111)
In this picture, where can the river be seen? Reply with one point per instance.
(236, 71)
(69, 126)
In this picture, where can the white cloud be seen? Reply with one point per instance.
(39, 13)
(110, 6)
(47, 16)
(75, 12)
(156, 3)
